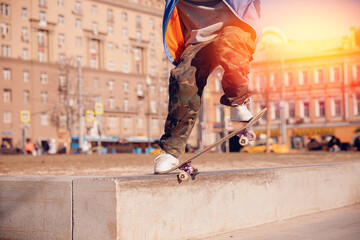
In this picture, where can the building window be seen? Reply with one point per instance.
(24, 34)
(335, 74)
(93, 63)
(62, 120)
(110, 46)
(24, 13)
(289, 79)
(7, 96)
(25, 54)
(5, 29)
(43, 78)
(291, 110)
(6, 74)
(261, 82)
(138, 21)
(7, 117)
(111, 65)
(303, 77)
(96, 83)
(219, 113)
(356, 73)
(140, 123)
(97, 99)
(111, 85)
(5, 9)
(152, 71)
(26, 97)
(306, 109)
(78, 24)
(336, 109)
(320, 108)
(44, 119)
(110, 30)
(126, 87)
(42, 3)
(42, 19)
(153, 106)
(152, 38)
(61, 40)
(60, 3)
(124, 16)
(138, 37)
(127, 122)
(124, 32)
(111, 103)
(6, 51)
(77, 7)
(125, 49)
(152, 53)
(356, 104)
(94, 27)
(154, 123)
(140, 105)
(94, 9)
(113, 122)
(110, 16)
(62, 81)
(276, 111)
(61, 20)
(41, 38)
(41, 56)
(125, 67)
(275, 80)
(319, 76)
(78, 41)
(126, 105)
(26, 76)
(61, 58)
(44, 97)
(151, 23)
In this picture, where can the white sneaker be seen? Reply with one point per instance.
(165, 162)
(240, 113)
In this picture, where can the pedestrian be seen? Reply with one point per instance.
(334, 144)
(198, 36)
(357, 143)
(29, 147)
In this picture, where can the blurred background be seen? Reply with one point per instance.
(96, 71)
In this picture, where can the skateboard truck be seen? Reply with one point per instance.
(186, 171)
(246, 136)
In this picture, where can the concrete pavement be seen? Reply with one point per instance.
(338, 224)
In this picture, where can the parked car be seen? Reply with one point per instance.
(276, 148)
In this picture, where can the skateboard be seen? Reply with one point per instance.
(244, 134)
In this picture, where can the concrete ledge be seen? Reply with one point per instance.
(158, 207)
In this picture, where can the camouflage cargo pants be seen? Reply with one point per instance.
(232, 49)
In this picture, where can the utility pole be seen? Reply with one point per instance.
(148, 83)
(81, 107)
(282, 104)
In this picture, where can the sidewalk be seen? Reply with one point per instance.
(338, 224)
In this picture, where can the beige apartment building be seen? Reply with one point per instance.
(123, 66)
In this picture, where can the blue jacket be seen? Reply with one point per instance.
(247, 11)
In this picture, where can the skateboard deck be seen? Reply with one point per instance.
(185, 166)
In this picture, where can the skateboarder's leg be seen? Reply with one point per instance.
(186, 85)
(234, 48)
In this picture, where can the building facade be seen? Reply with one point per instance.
(116, 44)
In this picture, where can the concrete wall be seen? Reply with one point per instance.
(158, 207)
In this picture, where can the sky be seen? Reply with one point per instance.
(311, 19)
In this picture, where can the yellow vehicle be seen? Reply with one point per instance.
(276, 148)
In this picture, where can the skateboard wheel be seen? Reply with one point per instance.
(252, 136)
(243, 141)
(183, 176)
